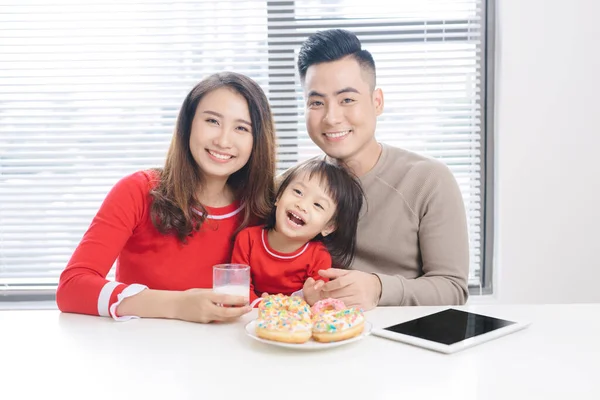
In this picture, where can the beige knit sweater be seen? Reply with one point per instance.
(413, 231)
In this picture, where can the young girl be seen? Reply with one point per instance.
(166, 228)
(312, 224)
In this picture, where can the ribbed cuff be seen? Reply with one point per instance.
(392, 290)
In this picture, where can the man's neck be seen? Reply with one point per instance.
(364, 159)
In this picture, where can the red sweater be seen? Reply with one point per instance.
(123, 231)
(274, 272)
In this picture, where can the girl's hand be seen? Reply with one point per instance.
(354, 288)
(203, 305)
(312, 290)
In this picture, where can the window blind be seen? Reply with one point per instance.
(90, 92)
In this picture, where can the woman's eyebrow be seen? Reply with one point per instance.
(216, 114)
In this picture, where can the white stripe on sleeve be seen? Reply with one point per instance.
(129, 291)
(104, 297)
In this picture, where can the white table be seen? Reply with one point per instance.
(67, 356)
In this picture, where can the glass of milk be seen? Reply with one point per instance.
(233, 279)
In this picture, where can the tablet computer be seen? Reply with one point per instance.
(450, 330)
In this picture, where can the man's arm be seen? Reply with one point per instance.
(444, 247)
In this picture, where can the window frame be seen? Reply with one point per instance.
(486, 276)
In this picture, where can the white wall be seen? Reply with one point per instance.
(547, 137)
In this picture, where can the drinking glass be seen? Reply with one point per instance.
(232, 279)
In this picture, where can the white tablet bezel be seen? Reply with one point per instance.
(458, 346)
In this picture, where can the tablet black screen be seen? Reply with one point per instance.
(449, 326)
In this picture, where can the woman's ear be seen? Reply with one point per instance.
(329, 229)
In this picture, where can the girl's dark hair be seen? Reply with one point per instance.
(174, 197)
(345, 190)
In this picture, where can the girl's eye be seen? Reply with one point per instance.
(212, 121)
(243, 128)
(319, 206)
(298, 192)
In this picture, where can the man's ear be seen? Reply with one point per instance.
(378, 101)
(328, 230)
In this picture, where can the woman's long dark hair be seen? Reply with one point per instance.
(345, 190)
(174, 197)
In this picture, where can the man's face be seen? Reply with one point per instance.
(341, 108)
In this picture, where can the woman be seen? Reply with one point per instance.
(167, 228)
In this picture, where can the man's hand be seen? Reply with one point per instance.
(312, 290)
(354, 288)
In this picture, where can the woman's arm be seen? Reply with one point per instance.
(195, 305)
(83, 287)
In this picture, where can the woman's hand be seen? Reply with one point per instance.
(203, 305)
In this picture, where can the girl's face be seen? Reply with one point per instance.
(304, 210)
(221, 137)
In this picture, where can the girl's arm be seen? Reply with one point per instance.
(322, 261)
(241, 255)
(311, 291)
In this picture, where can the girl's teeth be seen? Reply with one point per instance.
(292, 218)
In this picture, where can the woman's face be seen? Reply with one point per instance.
(221, 136)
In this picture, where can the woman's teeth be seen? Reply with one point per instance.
(220, 156)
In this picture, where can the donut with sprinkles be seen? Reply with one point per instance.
(333, 321)
(289, 319)
(284, 319)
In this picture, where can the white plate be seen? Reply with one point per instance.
(311, 344)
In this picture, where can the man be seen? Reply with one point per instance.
(412, 245)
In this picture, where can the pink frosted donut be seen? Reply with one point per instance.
(326, 305)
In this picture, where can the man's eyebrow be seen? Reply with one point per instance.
(344, 90)
(216, 114)
(347, 90)
(315, 93)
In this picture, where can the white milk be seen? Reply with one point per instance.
(234, 290)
